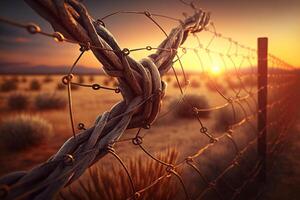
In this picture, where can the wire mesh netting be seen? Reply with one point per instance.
(229, 70)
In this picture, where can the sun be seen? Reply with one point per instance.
(215, 70)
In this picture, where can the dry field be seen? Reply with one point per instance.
(88, 104)
(168, 131)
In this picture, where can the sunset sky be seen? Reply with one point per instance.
(244, 21)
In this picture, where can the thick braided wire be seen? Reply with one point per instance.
(140, 85)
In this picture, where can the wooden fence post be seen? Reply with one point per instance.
(262, 61)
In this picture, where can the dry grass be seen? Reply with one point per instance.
(24, 79)
(100, 182)
(23, 131)
(35, 85)
(87, 104)
(48, 79)
(184, 109)
(215, 86)
(285, 179)
(8, 85)
(61, 86)
(80, 79)
(48, 101)
(227, 116)
(91, 78)
(17, 101)
(195, 84)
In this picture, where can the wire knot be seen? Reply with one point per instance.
(33, 28)
(203, 129)
(170, 169)
(96, 86)
(125, 51)
(85, 47)
(67, 79)
(189, 159)
(68, 160)
(137, 195)
(81, 126)
(147, 13)
(58, 37)
(100, 22)
(138, 140)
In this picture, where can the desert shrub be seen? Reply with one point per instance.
(48, 79)
(9, 85)
(169, 79)
(81, 79)
(214, 86)
(17, 101)
(106, 82)
(75, 87)
(182, 84)
(100, 182)
(2, 78)
(91, 79)
(20, 132)
(35, 85)
(49, 101)
(61, 86)
(15, 79)
(227, 116)
(250, 81)
(175, 84)
(185, 108)
(232, 83)
(115, 83)
(24, 79)
(195, 84)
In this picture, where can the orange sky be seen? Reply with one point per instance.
(240, 20)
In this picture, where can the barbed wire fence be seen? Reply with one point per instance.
(142, 89)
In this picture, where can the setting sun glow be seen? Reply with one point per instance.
(215, 70)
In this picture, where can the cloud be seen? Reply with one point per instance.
(13, 64)
(12, 41)
(11, 36)
(21, 40)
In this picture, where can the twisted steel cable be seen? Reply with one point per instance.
(138, 80)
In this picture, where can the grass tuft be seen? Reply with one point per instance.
(227, 117)
(61, 86)
(35, 85)
(100, 182)
(47, 101)
(17, 101)
(48, 79)
(22, 131)
(8, 85)
(185, 109)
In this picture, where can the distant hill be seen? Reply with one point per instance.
(25, 68)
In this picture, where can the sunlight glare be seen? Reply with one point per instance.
(215, 70)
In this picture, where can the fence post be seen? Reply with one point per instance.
(262, 61)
